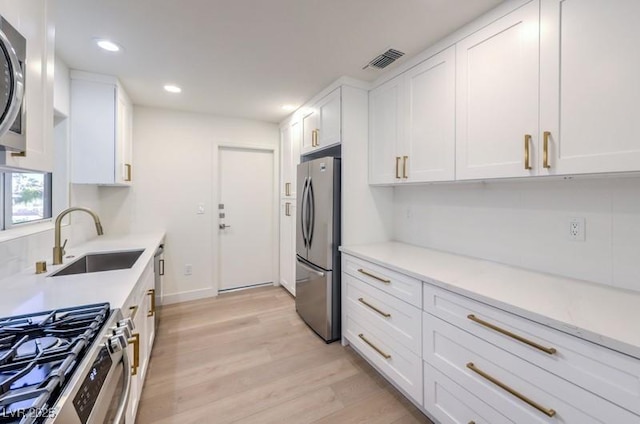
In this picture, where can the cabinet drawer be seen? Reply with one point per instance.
(607, 373)
(399, 364)
(516, 388)
(396, 319)
(397, 284)
(451, 403)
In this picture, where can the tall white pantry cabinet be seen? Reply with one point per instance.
(290, 134)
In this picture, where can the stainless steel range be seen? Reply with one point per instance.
(65, 366)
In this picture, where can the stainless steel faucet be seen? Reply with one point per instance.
(58, 250)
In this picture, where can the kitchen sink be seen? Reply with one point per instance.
(99, 262)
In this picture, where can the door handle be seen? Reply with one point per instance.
(308, 268)
(312, 212)
(303, 225)
(224, 226)
(527, 146)
(545, 152)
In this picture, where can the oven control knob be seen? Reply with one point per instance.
(126, 323)
(123, 331)
(117, 343)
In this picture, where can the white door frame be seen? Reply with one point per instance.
(216, 245)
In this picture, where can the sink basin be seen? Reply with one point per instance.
(99, 262)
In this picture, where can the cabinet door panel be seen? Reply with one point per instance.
(589, 85)
(287, 244)
(497, 97)
(385, 115)
(309, 125)
(430, 138)
(329, 110)
(285, 159)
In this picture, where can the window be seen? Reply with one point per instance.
(26, 197)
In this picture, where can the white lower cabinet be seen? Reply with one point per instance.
(383, 328)
(465, 361)
(141, 308)
(449, 402)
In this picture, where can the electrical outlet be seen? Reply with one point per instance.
(188, 269)
(577, 229)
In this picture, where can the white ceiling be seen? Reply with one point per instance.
(246, 58)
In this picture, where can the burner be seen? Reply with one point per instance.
(32, 347)
(38, 354)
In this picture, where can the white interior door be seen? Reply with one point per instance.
(247, 239)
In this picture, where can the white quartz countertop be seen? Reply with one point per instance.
(27, 292)
(602, 314)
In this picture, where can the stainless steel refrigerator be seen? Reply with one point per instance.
(317, 242)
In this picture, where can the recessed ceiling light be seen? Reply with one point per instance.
(289, 108)
(108, 45)
(172, 88)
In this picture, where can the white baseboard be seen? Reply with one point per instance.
(168, 299)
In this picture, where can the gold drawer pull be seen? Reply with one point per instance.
(368, 274)
(546, 411)
(364, 302)
(545, 150)
(398, 158)
(472, 422)
(374, 347)
(527, 144)
(127, 168)
(287, 189)
(548, 350)
(135, 341)
(152, 311)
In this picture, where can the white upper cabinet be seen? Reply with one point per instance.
(589, 87)
(385, 118)
(497, 98)
(429, 137)
(290, 157)
(101, 131)
(412, 124)
(322, 123)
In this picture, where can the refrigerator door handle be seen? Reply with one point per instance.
(308, 268)
(303, 213)
(312, 212)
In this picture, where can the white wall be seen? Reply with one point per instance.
(174, 158)
(525, 223)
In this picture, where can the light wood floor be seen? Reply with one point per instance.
(246, 357)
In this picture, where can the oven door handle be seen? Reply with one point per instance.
(126, 389)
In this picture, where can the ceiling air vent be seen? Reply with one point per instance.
(385, 59)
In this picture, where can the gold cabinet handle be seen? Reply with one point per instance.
(527, 156)
(368, 274)
(314, 138)
(287, 209)
(404, 166)
(374, 347)
(369, 305)
(548, 350)
(134, 311)
(472, 422)
(398, 167)
(127, 167)
(152, 311)
(135, 341)
(287, 189)
(19, 154)
(545, 150)
(547, 411)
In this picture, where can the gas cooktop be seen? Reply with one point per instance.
(38, 354)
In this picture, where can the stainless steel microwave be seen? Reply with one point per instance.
(13, 52)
